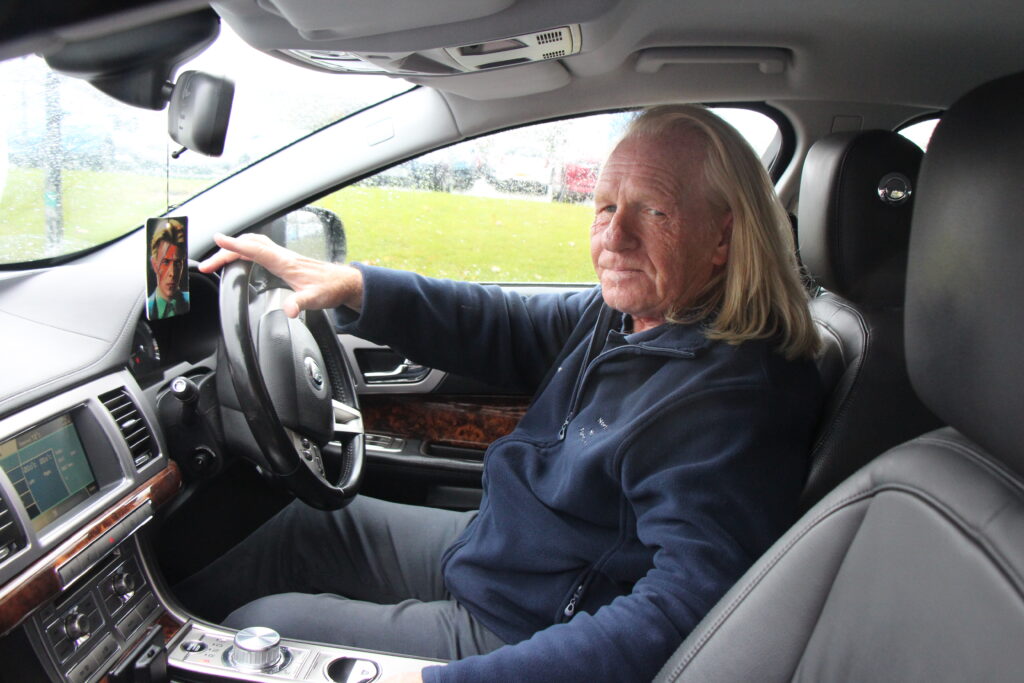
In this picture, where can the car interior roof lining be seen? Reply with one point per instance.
(862, 63)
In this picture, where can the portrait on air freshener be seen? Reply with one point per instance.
(167, 268)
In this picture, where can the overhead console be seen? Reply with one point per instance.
(413, 39)
(536, 46)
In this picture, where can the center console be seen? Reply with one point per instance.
(203, 652)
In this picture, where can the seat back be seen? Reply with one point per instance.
(913, 569)
(853, 242)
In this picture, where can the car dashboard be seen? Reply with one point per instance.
(84, 467)
(83, 472)
(91, 413)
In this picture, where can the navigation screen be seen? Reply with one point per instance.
(48, 469)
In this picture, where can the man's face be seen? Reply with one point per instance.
(168, 264)
(655, 241)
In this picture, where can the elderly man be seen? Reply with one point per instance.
(664, 451)
(167, 257)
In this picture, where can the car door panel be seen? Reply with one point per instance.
(448, 425)
(427, 430)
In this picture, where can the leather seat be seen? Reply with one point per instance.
(854, 244)
(913, 569)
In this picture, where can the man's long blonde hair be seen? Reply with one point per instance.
(758, 294)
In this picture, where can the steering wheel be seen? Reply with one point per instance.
(295, 390)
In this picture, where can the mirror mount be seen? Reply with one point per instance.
(137, 67)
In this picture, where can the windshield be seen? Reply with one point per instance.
(78, 168)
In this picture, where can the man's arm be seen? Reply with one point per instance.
(479, 331)
(460, 327)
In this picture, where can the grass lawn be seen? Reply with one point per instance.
(489, 239)
(97, 206)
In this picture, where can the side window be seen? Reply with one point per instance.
(920, 133)
(512, 207)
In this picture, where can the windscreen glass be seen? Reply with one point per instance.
(78, 168)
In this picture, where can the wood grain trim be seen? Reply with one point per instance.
(463, 421)
(170, 625)
(40, 582)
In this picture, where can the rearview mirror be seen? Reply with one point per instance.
(200, 107)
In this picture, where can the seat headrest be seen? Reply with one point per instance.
(853, 240)
(965, 280)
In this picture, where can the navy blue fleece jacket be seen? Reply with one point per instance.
(636, 489)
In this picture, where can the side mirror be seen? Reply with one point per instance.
(200, 107)
(311, 231)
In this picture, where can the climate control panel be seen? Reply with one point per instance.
(84, 629)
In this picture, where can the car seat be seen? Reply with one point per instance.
(856, 202)
(913, 569)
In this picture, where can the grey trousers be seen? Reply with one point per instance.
(366, 576)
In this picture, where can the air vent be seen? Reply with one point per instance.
(553, 55)
(549, 37)
(11, 537)
(133, 428)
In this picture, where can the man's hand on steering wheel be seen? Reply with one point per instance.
(316, 284)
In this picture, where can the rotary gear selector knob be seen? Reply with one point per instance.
(256, 648)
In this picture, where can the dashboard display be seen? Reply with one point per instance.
(49, 470)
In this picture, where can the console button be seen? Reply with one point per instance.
(63, 649)
(146, 605)
(107, 647)
(55, 631)
(83, 671)
(351, 670)
(193, 646)
(129, 623)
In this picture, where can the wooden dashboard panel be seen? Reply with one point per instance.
(464, 421)
(40, 582)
